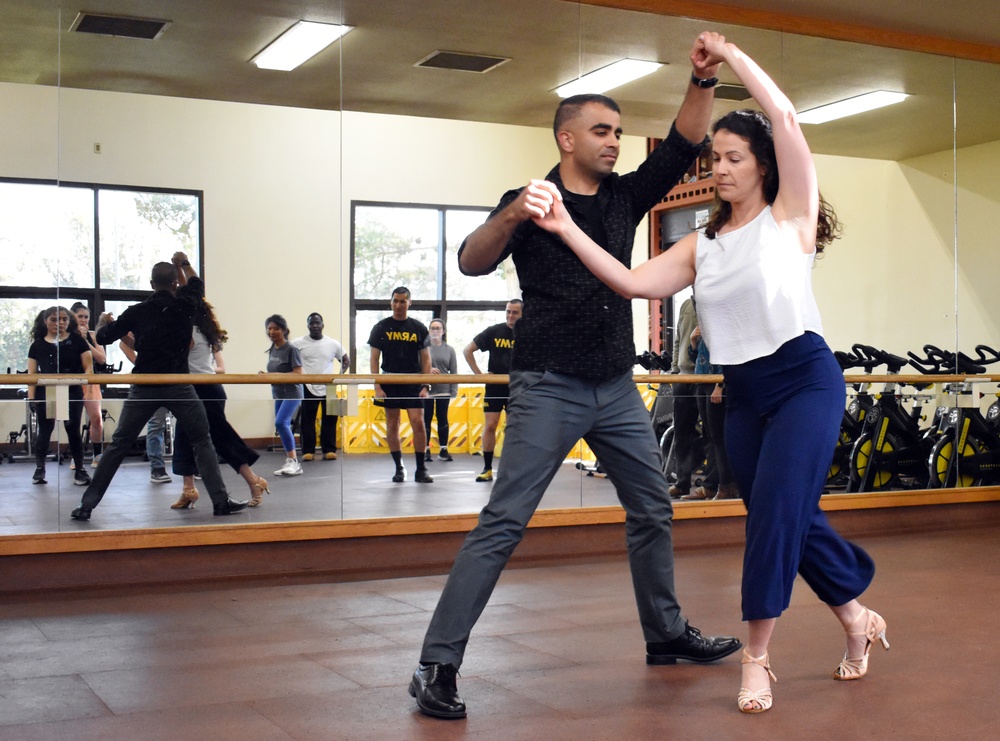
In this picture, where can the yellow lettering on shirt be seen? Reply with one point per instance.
(401, 336)
(500, 342)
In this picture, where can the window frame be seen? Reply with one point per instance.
(97, 297)
(438, 307)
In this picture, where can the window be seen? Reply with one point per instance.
(417, 246)
(95, 244)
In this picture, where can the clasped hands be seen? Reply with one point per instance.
(542, 202)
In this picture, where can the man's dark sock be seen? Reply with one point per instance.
(487, 460)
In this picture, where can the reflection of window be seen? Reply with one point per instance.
(95, 244)
(417, 246)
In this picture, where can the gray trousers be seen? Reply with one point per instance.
(547, 413)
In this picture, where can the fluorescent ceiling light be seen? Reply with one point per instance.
(844, 108)
(606, 78)
(302, 41)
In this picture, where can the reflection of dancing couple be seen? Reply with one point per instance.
(785, 390)
(162, 328)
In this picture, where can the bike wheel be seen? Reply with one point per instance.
(835, 476)
(861, 459)
(943, 472)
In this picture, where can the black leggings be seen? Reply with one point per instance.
(229, 446)
(72, 425)
(438, 405)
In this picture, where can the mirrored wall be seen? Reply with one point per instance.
(280, 161)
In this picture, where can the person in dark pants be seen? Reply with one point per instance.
(719, 482)
(162, 327)
(58, 347)
(497, 341)
(560, 392)
(439, 395)
(206, 358)
(401, 343)
(751, 267)
(685, 402)
(318, 355)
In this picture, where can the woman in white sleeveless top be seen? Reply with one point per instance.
(751, 268)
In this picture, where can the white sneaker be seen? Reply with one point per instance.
(291, 468)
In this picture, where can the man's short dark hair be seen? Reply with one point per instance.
(570, 108)
(314, 314)
(517, 301)
(163, 276)
(401, 289)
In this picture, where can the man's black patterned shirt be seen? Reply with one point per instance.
(572, 322)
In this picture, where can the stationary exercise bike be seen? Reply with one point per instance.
(892, 449)
(967, 452)
(852, 424)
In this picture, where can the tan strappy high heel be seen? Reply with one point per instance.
(871, 625)
(257, 490)
(756, 701)
(188, 498)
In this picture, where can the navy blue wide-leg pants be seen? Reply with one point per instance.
(782, 423)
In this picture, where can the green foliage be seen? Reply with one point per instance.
(384, 259)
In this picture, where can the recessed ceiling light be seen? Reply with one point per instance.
(851, 106)
(299, 43)
(606, 78)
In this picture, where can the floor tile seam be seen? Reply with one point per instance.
(564, 662)
(556, 711)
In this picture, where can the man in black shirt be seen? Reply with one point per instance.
(498, 342)
(161, 326)
(564, 387)
(403, 345)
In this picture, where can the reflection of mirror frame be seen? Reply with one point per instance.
(825, 29)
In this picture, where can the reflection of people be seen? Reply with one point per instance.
(562, 390)
(284, 357)
(685, 404)
(719, 483)
(751, 270)
(58, 347)
(400, 342)
(439, 395)
(161, 326)
(498, 342)
(92, 391)
(318, 353)
(156, 429)
(206, 357)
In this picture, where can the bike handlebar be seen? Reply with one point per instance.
(874, 356)
(938, 361)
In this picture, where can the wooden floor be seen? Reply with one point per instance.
(557, 655)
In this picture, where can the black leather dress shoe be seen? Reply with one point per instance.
(81, 513)
(422, 477)
(691, 645)
(434, 687)
(229, 507)
(400, 476)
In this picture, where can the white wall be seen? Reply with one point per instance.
(277, 207)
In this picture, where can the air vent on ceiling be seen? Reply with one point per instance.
(113, 25)
(461, 61)
(727, 91)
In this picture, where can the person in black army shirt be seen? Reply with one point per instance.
(402, 344)
(498, 342)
